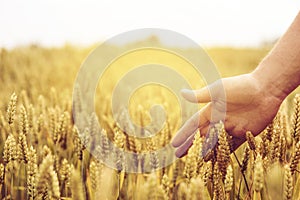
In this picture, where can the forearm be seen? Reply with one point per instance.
(279, 72)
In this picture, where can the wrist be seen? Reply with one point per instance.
(271, 83)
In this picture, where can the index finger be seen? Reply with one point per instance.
(198, 120)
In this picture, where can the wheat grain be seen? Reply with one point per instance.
(166, 184)
(47, 184)
(295, 129)
(251, 140)
(228, 179)
(218, 192)
(30, 116)
(223, 153)
(11, 110)
(258, 174)
(95, 169)
(10, 150)
(1, 173)
(65, 173)
(288, 183)
(295, 159)
(22, 148)
(23, 123)
(32, 170)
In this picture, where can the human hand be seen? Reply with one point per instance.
(250, 106)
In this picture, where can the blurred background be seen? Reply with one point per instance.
(210, 23)
(42, 40)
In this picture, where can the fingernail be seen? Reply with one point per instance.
(173, 142)
(178, 154)
(187, 91)
(188, 94)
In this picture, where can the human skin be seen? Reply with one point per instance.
(252, 100)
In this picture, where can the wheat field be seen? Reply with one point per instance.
(43, 157)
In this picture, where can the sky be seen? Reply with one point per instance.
(83, 22)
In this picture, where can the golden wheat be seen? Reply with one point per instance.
(45, 156)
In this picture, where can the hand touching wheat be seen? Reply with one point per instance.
(248, 107)
(252, 100)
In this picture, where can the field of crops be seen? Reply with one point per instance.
(43, 157)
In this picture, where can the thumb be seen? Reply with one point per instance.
(196, 96)
(213, 91)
